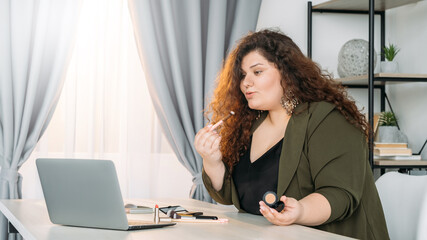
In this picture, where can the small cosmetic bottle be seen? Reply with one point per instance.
(156, 215)
(270, 198)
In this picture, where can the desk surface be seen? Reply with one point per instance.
(31, 219)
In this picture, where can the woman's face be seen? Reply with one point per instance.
(261, 82)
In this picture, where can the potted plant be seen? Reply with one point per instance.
(387, 119)
(388, 130)
(390, 52)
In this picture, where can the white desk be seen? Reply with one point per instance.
(31, 219)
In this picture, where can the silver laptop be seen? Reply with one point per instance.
(85, 193)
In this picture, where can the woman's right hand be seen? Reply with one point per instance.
(206, 143)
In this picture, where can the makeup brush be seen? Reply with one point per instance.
(221, 121)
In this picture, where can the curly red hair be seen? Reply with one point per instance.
(303, 77)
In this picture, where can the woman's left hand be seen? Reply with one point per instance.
(290, 214)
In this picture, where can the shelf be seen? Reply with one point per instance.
(361, 5)
(381, 78)
(400, 163)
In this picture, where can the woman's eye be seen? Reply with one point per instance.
(257, 72)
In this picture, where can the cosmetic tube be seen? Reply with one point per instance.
(156, 215)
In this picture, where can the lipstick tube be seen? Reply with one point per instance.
(156, 215)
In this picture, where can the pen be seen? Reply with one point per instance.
(200, 217)
(190, 214)
(220, 220)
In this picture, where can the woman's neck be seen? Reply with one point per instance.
(278, 117)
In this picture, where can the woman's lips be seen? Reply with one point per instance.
(249, 94)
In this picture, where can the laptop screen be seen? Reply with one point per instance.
(82, 192)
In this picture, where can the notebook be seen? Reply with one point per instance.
(85, 193)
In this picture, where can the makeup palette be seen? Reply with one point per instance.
(270, 198)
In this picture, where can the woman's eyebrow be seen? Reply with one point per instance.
(256, 64)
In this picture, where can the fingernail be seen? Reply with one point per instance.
(209, 125)
(271, 210)
(262, 208)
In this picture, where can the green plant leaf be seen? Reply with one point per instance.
(387, 119)
(390, 52)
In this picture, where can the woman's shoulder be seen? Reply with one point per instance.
(314, 108)
(319, 110)
(325, 112)
(320, 107)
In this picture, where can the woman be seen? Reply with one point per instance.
(294, 132)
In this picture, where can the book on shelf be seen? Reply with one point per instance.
(412, 157)
(376, 121)
(390, 145)
(392, 151)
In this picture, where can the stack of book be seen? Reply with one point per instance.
(394, 151)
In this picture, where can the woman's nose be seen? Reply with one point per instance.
(247, 81)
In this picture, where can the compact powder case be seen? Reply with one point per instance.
(270, 198)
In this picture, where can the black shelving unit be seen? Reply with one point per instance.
(370, 81)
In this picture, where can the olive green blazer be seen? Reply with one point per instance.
(323, 153)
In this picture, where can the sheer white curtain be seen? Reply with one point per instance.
(105, 111)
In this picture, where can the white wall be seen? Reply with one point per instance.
(405, 26)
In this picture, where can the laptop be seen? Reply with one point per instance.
(86, 193)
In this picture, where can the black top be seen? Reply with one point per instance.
(252, 180)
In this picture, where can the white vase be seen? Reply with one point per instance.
(389, 67)
(391, 134)
(388, 134)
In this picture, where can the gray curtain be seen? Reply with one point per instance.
(182, 45)
(35, 46)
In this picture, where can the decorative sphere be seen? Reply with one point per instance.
(353, 58)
